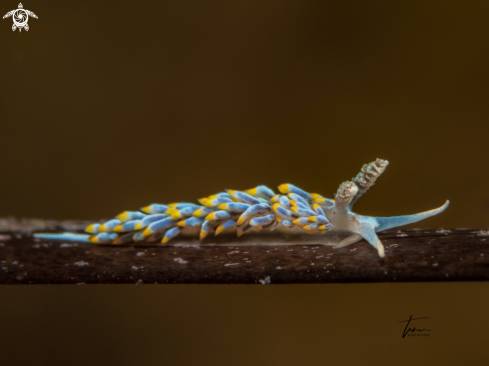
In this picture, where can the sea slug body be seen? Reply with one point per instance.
(258, 208)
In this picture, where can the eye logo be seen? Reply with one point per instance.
(20, 17)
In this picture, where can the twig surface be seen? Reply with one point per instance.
(411, 255)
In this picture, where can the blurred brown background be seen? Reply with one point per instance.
(107, 106)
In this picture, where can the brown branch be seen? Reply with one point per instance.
(413, 255)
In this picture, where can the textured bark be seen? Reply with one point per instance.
(411, 255)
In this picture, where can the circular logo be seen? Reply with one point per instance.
(20, 18)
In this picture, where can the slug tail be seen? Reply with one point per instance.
(63, 236)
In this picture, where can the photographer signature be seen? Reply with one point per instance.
(413, 329)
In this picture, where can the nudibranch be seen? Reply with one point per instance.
(258, 208)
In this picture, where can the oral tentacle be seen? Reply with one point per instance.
(385, 223)
(368, 233)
